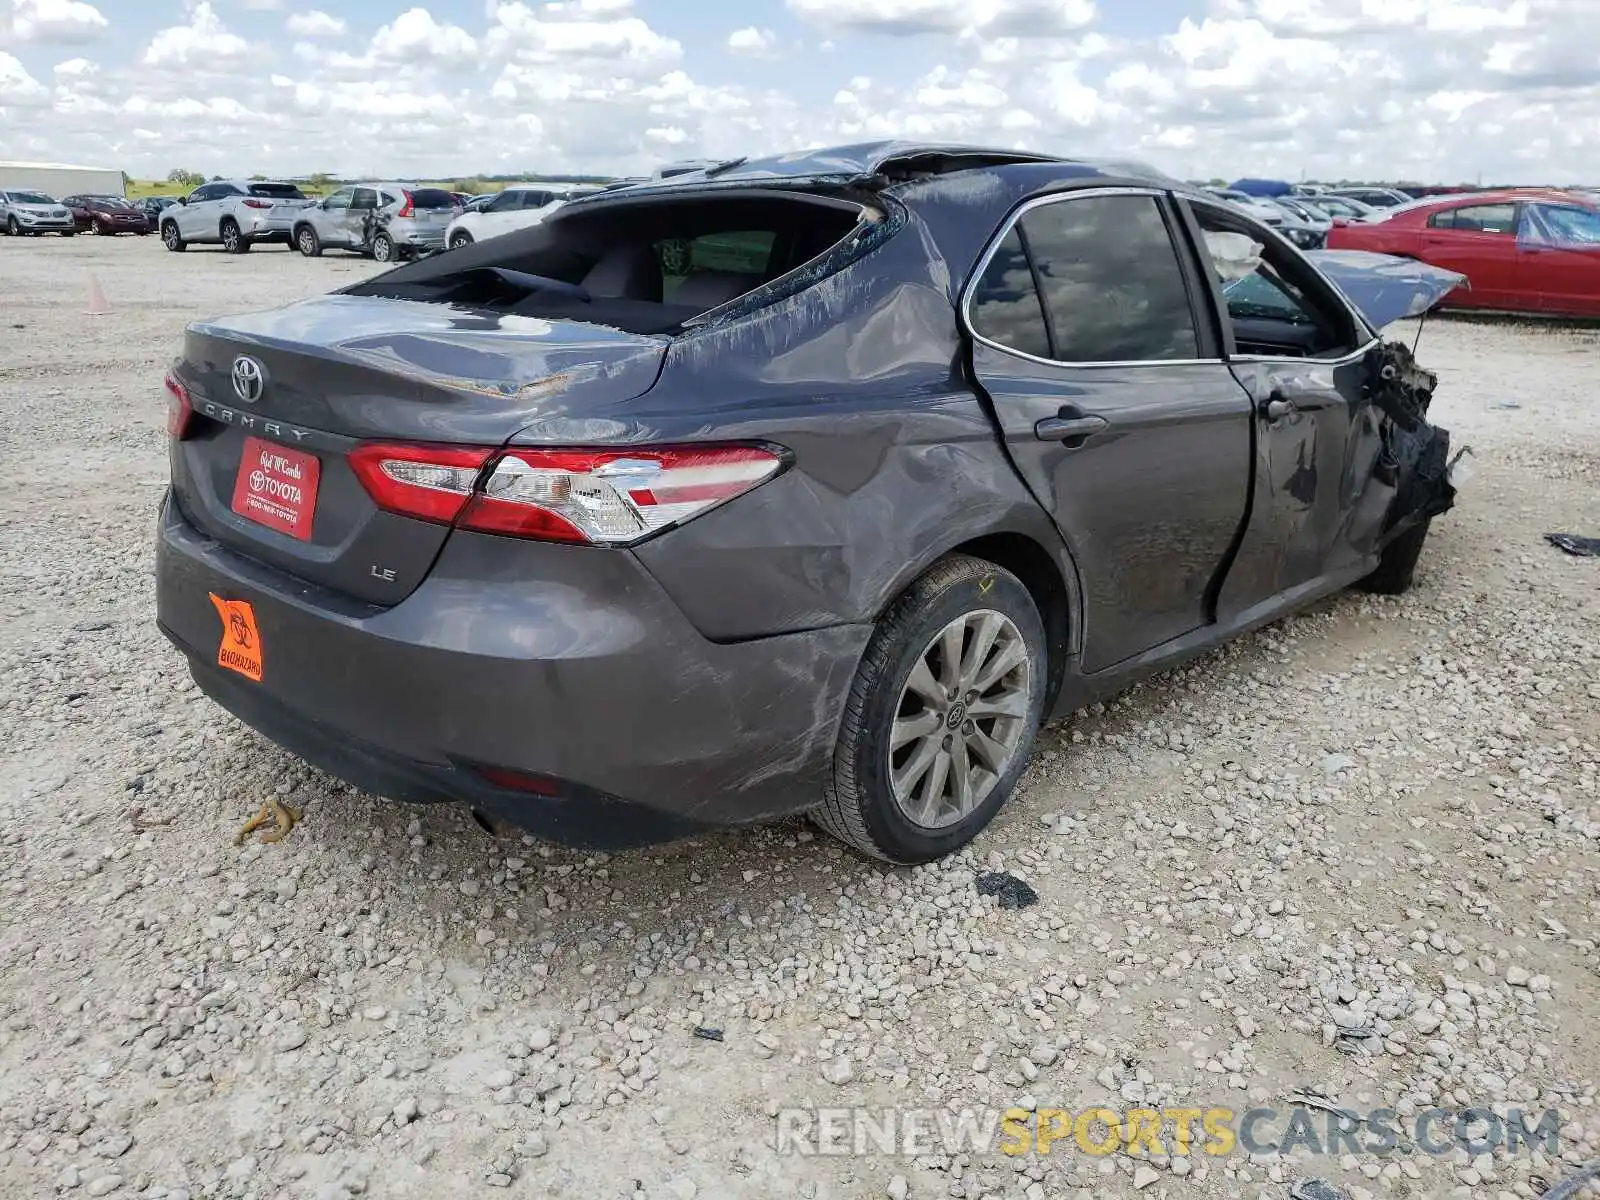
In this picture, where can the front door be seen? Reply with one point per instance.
(1560, 245)
(1300, 354)
(332, 218)
(1094, 342)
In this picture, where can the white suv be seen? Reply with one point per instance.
(520, 205)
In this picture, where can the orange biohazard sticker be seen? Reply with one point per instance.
(241, 643)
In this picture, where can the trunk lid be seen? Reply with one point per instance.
(284, 199)
(333, 372)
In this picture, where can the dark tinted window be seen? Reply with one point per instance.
(365, 198)
(432, 198)
(277, 191)
(1111, 281)
(1005, 304)
(1480, 218)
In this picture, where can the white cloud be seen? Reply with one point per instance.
(566, 34)
(1023, 18)
(17, 87)
(56, 21)
(261, 5)
(415, 37)
(1438, 90)
(202, 42)
(752, 41)
(315, 23)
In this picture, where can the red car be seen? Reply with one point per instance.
(1522, 250)
(106, 215)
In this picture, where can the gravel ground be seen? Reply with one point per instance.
(1356, 854)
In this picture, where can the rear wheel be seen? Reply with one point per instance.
(383, 248)
(1397, 566)
(233, 240)
(169, 236)
(307, 240)
(459, 239)
(942, 716)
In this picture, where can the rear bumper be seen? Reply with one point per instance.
(566, 663)
(267, 229)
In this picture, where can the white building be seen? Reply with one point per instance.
(58, 180)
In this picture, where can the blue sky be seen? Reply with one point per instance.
(1442, 90)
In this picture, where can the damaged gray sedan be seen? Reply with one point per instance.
(806, 484)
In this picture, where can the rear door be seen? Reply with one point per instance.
(1092, 339)
(1480, 241)
(363, 204)
(1300, 354)
(1560, 249)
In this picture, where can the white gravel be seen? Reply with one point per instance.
(1357, 853)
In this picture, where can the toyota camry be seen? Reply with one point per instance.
(810, 484)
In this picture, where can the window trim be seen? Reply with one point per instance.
(1516, 206)
(1190, 205)
(1162, 198)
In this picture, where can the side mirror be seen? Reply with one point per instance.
(183, 199)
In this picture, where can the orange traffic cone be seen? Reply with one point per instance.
(98, 305)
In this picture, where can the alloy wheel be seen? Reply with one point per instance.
(962, 714)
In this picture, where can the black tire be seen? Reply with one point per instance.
(459, 239)
(307, 241)
(858, 804)
(69, 233)
(1397, 566)
(170, 238)
(100, 230)
(233, 239)
(12, 228)
(383, 248)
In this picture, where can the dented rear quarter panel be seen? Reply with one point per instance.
(862, 376)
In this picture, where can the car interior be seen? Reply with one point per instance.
(1277, 305)
(646, 265)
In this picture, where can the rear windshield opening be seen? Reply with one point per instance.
(646, 266)
(276, 191)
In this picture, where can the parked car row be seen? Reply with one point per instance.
(24, 211)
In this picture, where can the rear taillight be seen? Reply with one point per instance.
(406, 209)
(614, 497)
(431, 483)
(258, 203)
(585, 496)
(180, 411)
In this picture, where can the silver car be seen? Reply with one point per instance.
(25, 211)
(234, 213)
(385, 220)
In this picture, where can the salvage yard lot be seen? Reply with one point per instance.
(1381, 817)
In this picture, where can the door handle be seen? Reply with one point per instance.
(1071, 426)
(1277, 407)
